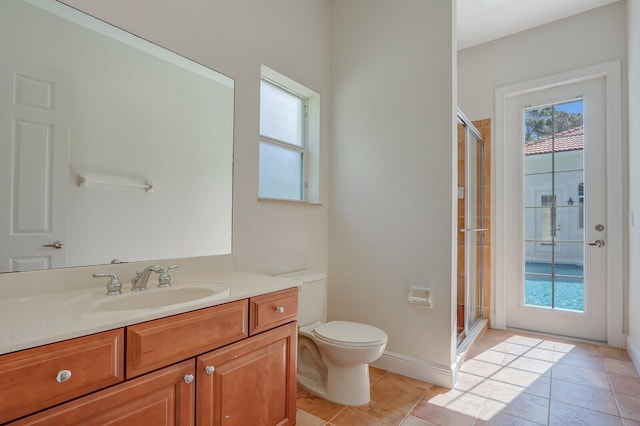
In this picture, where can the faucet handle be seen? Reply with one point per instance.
(114, 286)
(164, 280)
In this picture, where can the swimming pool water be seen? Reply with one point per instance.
(569, 290)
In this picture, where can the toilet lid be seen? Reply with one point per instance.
(351, 333)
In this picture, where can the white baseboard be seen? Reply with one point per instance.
(633, 347)
(419, 369)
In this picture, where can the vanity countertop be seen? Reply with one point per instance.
(41, 319)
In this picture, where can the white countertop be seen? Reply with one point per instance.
(41, 319)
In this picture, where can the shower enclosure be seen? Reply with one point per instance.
(472, 224)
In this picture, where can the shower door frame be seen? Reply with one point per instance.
(471, 316)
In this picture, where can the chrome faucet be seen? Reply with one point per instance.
(139, 283)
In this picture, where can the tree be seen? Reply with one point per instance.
(539, 123)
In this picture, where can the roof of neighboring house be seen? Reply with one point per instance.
(569, 140)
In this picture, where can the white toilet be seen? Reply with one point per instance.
(333, 357)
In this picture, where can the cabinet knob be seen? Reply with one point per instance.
(280, 309)
(188, 378)
(63, 376)
(209, 369)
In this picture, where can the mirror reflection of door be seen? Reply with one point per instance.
(34, 151)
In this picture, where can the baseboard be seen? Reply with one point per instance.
(426, 371)
(633, 347)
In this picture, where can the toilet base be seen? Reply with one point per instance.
(349, 385)
(346, 386)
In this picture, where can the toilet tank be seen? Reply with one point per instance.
(312, 295)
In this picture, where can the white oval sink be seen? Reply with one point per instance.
(159, 297)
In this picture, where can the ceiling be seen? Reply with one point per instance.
(480, 21)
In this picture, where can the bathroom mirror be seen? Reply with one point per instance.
(111, 147)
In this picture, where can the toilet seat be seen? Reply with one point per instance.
(347, 333)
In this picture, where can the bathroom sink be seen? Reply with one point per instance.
(154, 297)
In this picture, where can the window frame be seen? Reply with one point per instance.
(310, 137)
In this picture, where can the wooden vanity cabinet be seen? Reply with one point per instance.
(252, 382)
(233, 364)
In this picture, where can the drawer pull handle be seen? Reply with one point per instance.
(63, 376)
(280, 309)
(188, 378)
(209, 369)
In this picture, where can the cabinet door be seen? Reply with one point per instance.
(160, 398)
(252, 382)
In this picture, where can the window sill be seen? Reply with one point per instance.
(281, 200)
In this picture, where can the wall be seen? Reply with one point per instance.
(560, 46)
(633, 21)
(392, 177)
(235, 38)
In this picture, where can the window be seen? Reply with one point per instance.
(289, 116)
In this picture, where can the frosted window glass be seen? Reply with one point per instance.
(280, 114)
(280, 173)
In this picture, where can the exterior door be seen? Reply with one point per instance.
(556, 244)
(34, 172)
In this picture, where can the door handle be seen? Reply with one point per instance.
(597, 243)
(56, 245)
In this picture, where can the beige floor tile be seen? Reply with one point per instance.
(581, 376)
(416, 421)
(614, 353)
(584, 396)
(569, 415)
(307, 419)
(533, 365)
(375, 374)
(367, 415)
(540, 387)
(516, 377)
(530, 407)
(480, 368)
(510, 348)
(500, 392)
(502, 419)
(628, 422)
(399, 392)
(468, 382)
(587, 349)
(525, 340)
(557, 346)
(544, 354)
(447, 407)
(495, 357)
(624, 368)
(629, 407)
(578, 359)
(317, 406)
(625, 384)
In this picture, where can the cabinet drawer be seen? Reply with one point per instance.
(155, 344)
(28, 379)
(163, 397)
(272, 310)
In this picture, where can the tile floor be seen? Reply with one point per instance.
(509, 379)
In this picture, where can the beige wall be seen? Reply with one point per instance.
(392, 172)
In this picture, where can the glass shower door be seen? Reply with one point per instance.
(475, 230)
(472, 219)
